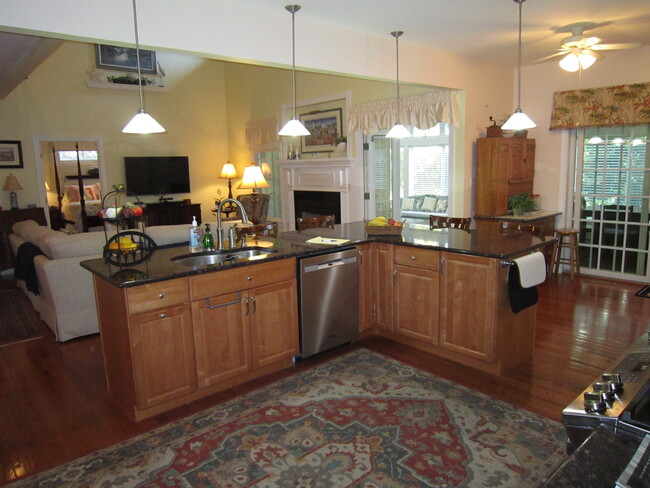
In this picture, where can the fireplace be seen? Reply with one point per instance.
(315, 203)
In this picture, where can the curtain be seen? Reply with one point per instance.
(602, 107)
(262, 134)
(423, 110)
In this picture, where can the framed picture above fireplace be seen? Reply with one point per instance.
(324, 126)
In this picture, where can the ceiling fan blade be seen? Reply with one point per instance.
(541, 60)
(611, 47)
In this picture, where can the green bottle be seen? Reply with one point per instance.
(208, 241)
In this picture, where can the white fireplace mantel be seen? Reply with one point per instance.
(333, 174)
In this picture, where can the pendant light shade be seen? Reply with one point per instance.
(398, 131)
(294, 127)
(142, 122)
(519, 120)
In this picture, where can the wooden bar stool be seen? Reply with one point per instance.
(566, 239)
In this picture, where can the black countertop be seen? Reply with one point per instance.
(486, 242)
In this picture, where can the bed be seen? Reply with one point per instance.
(71, 205)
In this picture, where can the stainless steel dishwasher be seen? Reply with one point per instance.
(329, 301)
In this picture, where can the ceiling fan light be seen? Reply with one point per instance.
(570, 62)
(293, 128)
(519, 121)
(398, 132)
(587, 58)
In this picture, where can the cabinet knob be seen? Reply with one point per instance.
(162, 315)
(413, 258)
(249, 278)
(161, 295)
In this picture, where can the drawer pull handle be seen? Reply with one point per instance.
(249, 278)
(163, 315)
(226, 304)
(161, 295)
(254, 304)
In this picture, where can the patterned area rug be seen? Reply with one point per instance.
(18, 322)
(361, 420)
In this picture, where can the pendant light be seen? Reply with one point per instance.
(294, 127)
(398, 131)
(519, 120)
(142, 122)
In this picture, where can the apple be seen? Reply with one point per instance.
(391, 221)
(137, 211)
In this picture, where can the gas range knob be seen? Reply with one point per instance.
(606, 388)
(614, 379)
(595, 402)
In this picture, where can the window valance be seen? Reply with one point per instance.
(602, 107)
(262, 134)
(423, 110)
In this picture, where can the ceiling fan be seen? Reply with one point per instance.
(581, 51)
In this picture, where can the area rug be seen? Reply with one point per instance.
(362, 420)
(18, 321)
(644, 292)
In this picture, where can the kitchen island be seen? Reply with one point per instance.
(172, 333)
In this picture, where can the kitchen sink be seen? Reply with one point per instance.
(210, 258)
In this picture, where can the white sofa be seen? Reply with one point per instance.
(66, 299)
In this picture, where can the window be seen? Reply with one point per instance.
(66, 157)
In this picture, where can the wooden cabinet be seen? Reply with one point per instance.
(366, 303)
(505, 166)
(468, 297)
(247, 328)
(415, 305)
(171, 214)
(7, 219)
(383, 285)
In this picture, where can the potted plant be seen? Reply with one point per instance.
(340, 143)
(522, 203)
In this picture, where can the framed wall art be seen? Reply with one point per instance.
(124, 59)
(11, 154)
(324, 126)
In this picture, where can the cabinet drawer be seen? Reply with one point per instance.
(228, 281)
(157, 295)
(421, 258)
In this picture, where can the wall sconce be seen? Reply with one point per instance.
(12, 185)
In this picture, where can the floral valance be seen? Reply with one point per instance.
(423, 110)
(601, 107)
(262, 134)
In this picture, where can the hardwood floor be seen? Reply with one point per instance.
(54, 405)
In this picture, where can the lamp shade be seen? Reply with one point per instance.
(253, 178)
(398, 132)
(293, 128)
(578, 59)
(143, 123)
(228, 171)
(11, 184)
(519, 121)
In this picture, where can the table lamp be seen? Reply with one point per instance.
(228, 172)
(252, 180)
(11, 185)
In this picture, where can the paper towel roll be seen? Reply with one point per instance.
(532, 269)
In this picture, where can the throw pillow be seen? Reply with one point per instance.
(407, 203)
(428, 204)
(71, 193)
(441, 205)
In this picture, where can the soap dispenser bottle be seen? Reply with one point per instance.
(208, 241)
(195, 237)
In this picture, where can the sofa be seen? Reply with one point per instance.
(421, 206)
(65, 296)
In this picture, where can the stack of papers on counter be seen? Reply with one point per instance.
(327, 240)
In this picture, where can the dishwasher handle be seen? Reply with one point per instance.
(329, 264)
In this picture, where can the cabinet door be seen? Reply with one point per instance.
(416, 303)
(365, 287)
(222, 337)
(163, 355)
(273, 312)
(468, 296)
(383, 279)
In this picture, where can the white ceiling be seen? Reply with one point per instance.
(485, 29)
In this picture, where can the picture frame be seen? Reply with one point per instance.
(124, 59)
(11, 154)
(324, 127)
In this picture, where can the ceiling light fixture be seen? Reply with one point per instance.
(519, 120)
(398, 131)
(142, 122)
(578, 59)
(294, 127)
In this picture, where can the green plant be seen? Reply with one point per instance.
(128, 80)
(522, 203)
(340, 139)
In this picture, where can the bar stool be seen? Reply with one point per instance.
(566, 239)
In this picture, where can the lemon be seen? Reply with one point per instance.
(382, 219)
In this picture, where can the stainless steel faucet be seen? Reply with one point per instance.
(244, 218)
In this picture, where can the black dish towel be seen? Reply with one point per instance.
(25, 269)
(520, 298)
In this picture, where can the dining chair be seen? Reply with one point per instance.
(270, 229)
(459, 222)
(437, 222)
(314, 222)
(509, 226)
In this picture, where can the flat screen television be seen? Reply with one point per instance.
(157, 175)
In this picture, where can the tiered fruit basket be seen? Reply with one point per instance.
(384, 227)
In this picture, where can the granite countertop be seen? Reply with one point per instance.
(527, 217)
(486, 242)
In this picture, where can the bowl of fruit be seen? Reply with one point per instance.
(384, 226)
